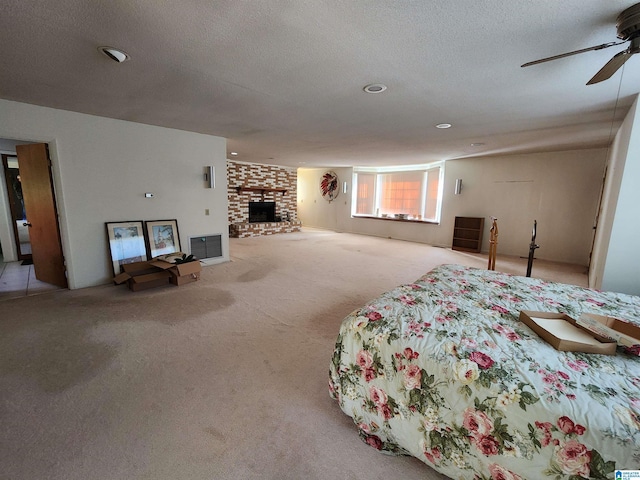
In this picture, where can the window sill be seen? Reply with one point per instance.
(389, 219)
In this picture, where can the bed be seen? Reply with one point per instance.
(443, 370)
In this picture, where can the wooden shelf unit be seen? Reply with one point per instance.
(467, 234)
(262, 190)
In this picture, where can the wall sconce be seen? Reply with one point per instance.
(345, 187)
(210, 176)
(458, 189)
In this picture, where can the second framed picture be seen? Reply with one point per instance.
(163, 237)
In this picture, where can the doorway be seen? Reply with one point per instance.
(31, 209)
(17, 211)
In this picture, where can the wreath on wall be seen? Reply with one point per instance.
(329, 185)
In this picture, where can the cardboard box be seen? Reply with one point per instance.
(157, 272)
(185, 273)
(186, 268)
(138, 268)
(149, 280)
(181, 273)
(130, 270)
(160, 264)
(184, 279)
(624, 333)
(563, 333)
(121, 278)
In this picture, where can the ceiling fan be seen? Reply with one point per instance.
(628, 27)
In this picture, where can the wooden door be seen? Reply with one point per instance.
(40, 205)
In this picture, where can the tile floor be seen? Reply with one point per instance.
(17, 280)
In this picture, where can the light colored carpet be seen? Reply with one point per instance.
(225, 378)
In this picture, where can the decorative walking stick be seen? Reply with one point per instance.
(532, 248)
(493, 243)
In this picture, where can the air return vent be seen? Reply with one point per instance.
(206, 246)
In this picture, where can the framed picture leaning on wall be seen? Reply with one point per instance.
(163, 237)
(126, 243)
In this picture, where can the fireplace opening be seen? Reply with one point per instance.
(262, 212)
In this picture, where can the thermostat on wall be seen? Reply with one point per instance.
(148, 195)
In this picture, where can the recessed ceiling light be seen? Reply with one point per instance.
(114, 54)
(443, 125)
(375, 88)
(477, 144)
(234, 153)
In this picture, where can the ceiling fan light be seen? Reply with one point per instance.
(628, 22)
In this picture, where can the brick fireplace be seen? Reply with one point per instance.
(253, 182)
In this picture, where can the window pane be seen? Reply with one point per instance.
(401, 193)
(366, 193)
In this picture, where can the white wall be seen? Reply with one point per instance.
(616, 257)
(559, 189)
(102, 168)
(314, 210)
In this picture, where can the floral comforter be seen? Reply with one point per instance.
(442, 369)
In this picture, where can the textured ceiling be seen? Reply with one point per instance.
(282, 80)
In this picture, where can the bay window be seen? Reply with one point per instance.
(412, 192)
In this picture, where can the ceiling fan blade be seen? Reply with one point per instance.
(575, 52)
(611, 67)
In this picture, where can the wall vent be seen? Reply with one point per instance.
(206, 246)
